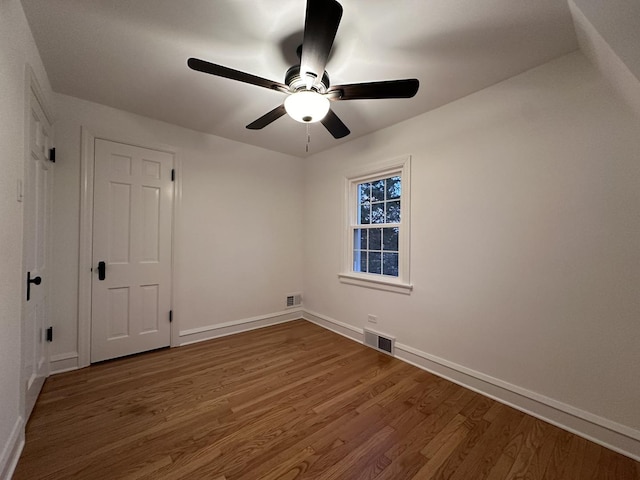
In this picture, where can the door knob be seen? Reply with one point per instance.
(34, 280)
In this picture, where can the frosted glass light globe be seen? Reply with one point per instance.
(306, 106)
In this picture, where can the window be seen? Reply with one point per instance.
(377, 226)
(377, 237)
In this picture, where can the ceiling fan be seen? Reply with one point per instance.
(307, 85)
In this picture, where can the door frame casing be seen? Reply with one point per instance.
(85, 260)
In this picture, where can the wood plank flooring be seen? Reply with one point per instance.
(291, 401)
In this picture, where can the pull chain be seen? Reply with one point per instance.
(308, 138)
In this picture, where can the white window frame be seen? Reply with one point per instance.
(400, 284)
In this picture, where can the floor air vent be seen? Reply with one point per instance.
(294, 300)
(381, 342)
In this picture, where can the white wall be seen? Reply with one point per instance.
(17, 48)
(525, 238)
(240, 222)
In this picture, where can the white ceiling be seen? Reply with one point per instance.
(132, 55)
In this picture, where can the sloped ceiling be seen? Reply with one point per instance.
(618, 22)
(132, 55)
(610, 39)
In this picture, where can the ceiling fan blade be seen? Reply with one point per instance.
(335, 126)
(220, 71)
(267, 118)
(320, 27)
(371, 90)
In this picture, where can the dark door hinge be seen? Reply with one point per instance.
(52, 155)
(50, 334)
(173, 174)
(170, 316)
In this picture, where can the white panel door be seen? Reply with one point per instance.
(36, 214)
(132, 216)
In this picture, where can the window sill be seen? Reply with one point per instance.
(376, 283)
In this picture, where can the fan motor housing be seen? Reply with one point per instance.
(295, 82)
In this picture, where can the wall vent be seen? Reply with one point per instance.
(294, 300)
(383, 343)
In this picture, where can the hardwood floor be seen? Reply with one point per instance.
(289, 402)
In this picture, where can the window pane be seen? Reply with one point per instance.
(390, 239)
(359, 261)
(363, 217)
(375, 262)
(363, 192)
(390, 264)
(375, 239)
(377, 191)
(360, 239)
(377, 213)
(394, 188)
(393, 212)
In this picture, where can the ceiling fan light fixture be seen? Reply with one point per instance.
(306, 106)
(307, 83)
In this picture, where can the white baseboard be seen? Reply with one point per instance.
(12, 449)
(63, 362)
(341, 328)
(612, 435)
(229, 328)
